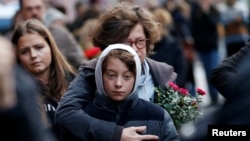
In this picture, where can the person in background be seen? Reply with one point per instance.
(127, 24)
(235, 20)
(84, 34)
(20, 115)
(84, 11)
(38, 53)
(205, 14)
(55, 17)
(36, 9)
(180, 11)
(168, 49)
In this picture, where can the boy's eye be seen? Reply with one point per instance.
(128, 76)
(110, 75)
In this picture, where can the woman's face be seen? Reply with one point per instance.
(34, 53)
(137, 34)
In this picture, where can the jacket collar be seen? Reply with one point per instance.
(103, 102)
(161, 72)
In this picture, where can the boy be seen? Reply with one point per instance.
(118, 72)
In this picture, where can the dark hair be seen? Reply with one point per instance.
(126, 57)
(116, 24)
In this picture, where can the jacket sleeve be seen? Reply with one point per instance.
(168, 129)
(70, 116)
(223, 74)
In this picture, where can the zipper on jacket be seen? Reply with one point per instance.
(118, 113)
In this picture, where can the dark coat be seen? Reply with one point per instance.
(204, 27)
(223, 74)
(133, 111)
(24, 122)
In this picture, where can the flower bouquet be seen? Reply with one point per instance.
(181, 105)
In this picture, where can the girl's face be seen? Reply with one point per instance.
(34, 53)
(118, 81)
(137, 34)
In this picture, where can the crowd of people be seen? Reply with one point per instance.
(95, 78)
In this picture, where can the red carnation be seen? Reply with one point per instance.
(200, 91)
(183, 91)
(173, 86)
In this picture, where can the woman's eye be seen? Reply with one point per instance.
(24, 51)
(141, 40)
(39, 47)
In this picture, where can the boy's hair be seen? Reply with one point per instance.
(126, 57)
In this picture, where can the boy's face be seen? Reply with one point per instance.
(118, 81)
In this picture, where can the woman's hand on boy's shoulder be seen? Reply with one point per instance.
(135, 134)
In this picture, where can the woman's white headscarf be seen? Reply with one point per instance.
(98, 69)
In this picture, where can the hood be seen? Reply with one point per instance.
(98, 69)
